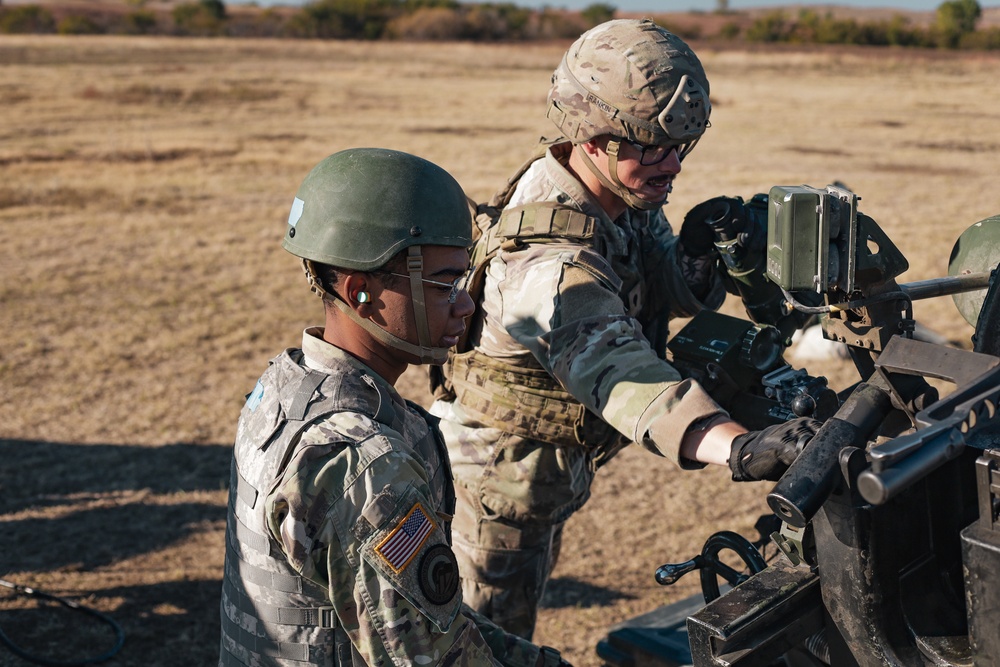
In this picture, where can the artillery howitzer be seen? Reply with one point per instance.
(888, 551)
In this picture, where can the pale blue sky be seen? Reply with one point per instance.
(706, 5)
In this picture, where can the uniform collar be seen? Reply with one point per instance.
(322, 356)
(615, 232)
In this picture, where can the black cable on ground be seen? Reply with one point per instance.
(73, 606)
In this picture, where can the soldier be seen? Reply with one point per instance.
(575, 285)
(338, 540)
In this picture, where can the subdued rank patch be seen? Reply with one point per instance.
(439, 574)
(403, 543)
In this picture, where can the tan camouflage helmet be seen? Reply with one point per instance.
(634, 80)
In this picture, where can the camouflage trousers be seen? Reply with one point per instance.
(514, 495)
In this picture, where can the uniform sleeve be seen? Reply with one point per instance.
(359, 521)
(573, 321)
(510, 650)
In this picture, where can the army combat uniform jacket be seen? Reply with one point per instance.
(337, 545)
(565, 366)
(590, 313)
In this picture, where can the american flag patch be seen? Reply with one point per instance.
(402, 544)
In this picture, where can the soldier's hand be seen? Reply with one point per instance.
(766, 454)
(697, 234)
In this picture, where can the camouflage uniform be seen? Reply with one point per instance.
(567, 367)
(337, 548)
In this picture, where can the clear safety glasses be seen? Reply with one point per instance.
(455, 286)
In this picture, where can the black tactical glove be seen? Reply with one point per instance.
(698, 231)
(766, 454)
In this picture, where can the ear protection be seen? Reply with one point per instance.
(362, 297)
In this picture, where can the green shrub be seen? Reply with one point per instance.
(27, 19)
(345, 19)
(214, 7)
(954, 19)
(985, 40)
(730, 31)
(553, 24)
(598, 13)
(812, 28)
(268, 23)
(78, 25)
(414, 5)
(772, 27)
(899, 32)
(428, 23)
(139, 22)
(196, 18)
(205, 17)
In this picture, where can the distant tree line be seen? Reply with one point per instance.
(955, 24)
(322, 19)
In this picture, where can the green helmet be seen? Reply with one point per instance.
(631, 79)
(359, 207)
(976, 250)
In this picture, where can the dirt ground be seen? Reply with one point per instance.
(144, 185)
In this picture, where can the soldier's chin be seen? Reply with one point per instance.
(653, 195)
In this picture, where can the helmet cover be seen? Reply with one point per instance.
(630, 79)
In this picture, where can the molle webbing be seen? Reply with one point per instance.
(541, 221)
(270, 639)
(256, 645)
(526, 402)
(270, 614)
(533, 223)
(313, 617)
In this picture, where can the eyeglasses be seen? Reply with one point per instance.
(455, 286)
(650, 155)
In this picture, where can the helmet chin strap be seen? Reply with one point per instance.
(617, 187)
(415, 267)
(427, 353)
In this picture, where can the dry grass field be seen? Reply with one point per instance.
(144, 188)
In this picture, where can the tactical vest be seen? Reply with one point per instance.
(525, 400)
(270, 614)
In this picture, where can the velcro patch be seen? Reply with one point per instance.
(405, 540)
(439, 574)
(254, 397)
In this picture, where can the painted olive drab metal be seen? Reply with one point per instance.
(359, 208)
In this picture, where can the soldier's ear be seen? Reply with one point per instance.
(358, 293)
(594, 147)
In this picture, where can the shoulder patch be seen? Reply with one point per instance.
(408, 553)
(404, 541)
(439, 574)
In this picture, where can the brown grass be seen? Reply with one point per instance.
(144, 184)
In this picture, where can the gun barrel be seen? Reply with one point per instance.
(878, 487)
(925, 289)
(947, 424)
